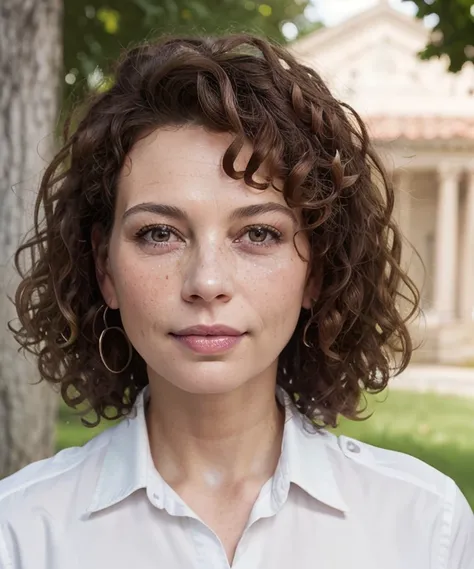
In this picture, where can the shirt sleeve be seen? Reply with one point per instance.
(458, 531)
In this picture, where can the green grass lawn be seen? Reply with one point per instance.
(437, 429)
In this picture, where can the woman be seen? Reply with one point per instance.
(218, 265)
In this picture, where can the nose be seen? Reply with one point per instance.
(208, 276)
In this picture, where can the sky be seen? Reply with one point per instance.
(332, 12)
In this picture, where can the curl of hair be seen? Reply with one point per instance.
(354, 337)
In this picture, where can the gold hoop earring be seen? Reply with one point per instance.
(305, 342)
(101, 339)
(94, 321)
(306, 328)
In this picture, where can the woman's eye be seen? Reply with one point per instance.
(258, 234)
(261, 235)
(160, 234)
(157, 234)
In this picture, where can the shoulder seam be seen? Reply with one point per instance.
(30, 483)
(387, 471)
(4, 555)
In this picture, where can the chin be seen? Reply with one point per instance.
(208, 386)
(212, 378)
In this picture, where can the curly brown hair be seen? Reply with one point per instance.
(354, 338)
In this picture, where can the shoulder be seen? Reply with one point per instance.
(388, 466)
(390, 485)
(52, 478)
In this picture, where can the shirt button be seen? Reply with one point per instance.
(352, 447)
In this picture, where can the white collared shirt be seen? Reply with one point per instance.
(333, 503)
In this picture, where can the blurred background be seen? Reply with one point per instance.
(405, 66)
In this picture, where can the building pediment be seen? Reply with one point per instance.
(338, 38)
(371, 61)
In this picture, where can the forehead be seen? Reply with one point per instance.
(184, 165)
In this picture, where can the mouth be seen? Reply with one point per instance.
(209, 339)
(215, 330)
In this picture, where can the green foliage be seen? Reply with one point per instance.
(454, 33)
(96, 31)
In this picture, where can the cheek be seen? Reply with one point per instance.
(142, 285)
(276, 291)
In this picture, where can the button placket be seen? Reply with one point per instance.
(209, 549)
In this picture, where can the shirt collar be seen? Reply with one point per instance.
(128, 465)
(127, 459)
(305, 458)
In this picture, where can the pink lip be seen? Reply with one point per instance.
(209, 339)
(201, 330)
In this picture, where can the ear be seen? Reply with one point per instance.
(102, 266)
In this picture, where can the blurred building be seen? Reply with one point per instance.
(422, 119)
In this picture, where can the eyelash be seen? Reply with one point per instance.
(275, 234)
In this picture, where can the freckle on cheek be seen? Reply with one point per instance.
(166, 277)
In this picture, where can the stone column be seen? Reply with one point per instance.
(445, 285)
(404, 204)
(467, 259)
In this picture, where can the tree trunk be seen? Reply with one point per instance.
(30, 69)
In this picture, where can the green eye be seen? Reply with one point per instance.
(160, 234)
(258, 234)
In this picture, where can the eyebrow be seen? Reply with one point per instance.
(258, 209)
(239, 213)
(156, 208)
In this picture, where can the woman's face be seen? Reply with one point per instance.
(203, 268)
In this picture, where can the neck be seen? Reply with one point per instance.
(216, 439)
